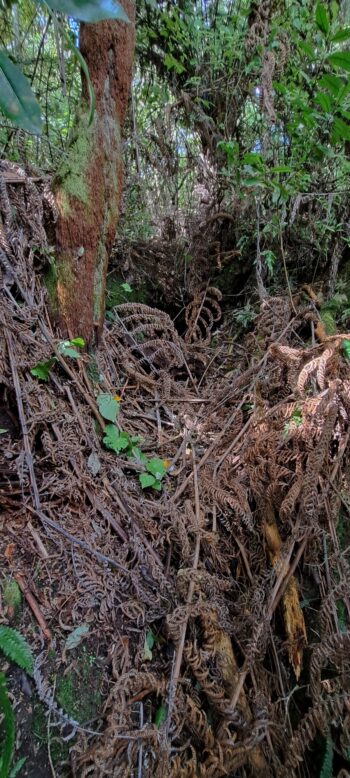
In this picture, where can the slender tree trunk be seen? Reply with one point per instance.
(89, 180)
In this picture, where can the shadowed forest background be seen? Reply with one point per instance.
(175, 389)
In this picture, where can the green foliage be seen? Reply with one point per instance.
(327, 764)
(115, 440)
(154, 469)
(89, 10)
(42, 369)
(17, 100)
(147, 647)
(346, 348)
(7, 730)
(160, 716)
(66, 347)
(108, 405)
(16, 648)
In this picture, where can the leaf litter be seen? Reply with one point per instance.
(220, 602)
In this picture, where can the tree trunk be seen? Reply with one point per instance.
(89, 180)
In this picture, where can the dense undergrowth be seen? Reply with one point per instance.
(175, 502)
(216, 607)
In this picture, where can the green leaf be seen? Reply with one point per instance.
(340, 59)
(89, 10)
(341, 35)
(115, 440)
(76, 637)
(156, 467)
(173, 64)
(65, 348)
(322, 20)
(78, 342)
(3, 431)
(324, 101)
(8, 727)
(281, 169)
(127, 288)
(327, 764)
(16, 648)
(146, 480)
(147, 646)
(333, 83)
(18, 766)
(340, 130)
(255, 160)
(42, 369)
(346, 348)
(108, 406)
(17, 100)
(160, 716)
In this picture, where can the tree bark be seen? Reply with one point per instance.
(89, 180)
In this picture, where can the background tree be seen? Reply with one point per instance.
(89, 181)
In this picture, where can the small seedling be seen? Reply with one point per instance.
(65, 347)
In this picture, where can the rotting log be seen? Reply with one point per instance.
(88, 183)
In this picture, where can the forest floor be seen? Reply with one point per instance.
(175, 513)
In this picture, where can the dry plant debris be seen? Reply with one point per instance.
(198, 594)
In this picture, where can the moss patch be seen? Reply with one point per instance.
(71, 174)
(79, 691)
(116, 294)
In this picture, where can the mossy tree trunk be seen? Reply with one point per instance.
(89, 180)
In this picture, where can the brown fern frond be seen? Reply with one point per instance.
(200, 315)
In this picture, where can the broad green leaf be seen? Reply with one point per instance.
(346, 348)
(127, 288)
(322, 20)
(340, 59)
(160, 716)
(76, 637)
(156, 467)
(78, 342)
(341, 35)
(324, 101)
(115, 440)
(17, 101)
(2, 431)
(255, 160)
(146, 480)
(340, 130)
(65, 348)
(42, 369)
(108, 406)
(333, 83)
(89, 10)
